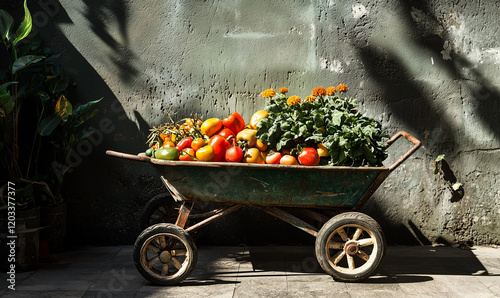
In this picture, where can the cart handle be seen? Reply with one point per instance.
(139, 157)
(410, 138)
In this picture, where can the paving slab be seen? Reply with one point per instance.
(265, 271)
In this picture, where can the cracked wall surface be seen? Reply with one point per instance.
(427, 67)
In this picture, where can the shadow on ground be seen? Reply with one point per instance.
(402, 264)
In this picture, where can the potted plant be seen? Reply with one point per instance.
(36, 118)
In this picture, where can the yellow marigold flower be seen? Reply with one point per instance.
(268, 93)
(342, 88)
(319, 91)
(293, 100)
(310, 98)
(283, 90)
(330, 91)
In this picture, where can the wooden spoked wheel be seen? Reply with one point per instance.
(165, 254)
(350, 246)
(160, 209)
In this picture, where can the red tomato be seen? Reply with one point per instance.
(309, 157)
(226, 133)
(184, 143)
(220, 145)
(187, 154)
(234, 154)
(274, 159)
(234, 122)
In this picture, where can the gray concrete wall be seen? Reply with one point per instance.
(427, 67)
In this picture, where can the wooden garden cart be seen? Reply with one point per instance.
(349, 245)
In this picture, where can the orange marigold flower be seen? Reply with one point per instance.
(293, 100)
(342, 88)
(330, 91)
(283, 90)
(268, 93)
(310, 98)
(319, 91)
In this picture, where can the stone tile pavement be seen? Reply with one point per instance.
(265, 271)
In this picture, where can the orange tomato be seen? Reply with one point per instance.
(253, 155)
(274, 158)
(168, 144)
(205, 153)
(189, 122)
(156, 146)
(288, 160)
(256, 117)
(197, 143)
(163, 137)
(322, 150)
(211, 126)
(260, 145)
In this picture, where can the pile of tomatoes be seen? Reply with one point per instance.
(223, 140)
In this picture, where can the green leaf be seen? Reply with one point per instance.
(48, 125)
(264, 138)
(303, 130)
(84, 134)
(273, 108)
(319, 120)
(25, 27)
(440, 158)
(285, 126)
(58, 84)
(63, 108)
(315, 139)
(342, 157)
(84, 112)
(369, 156)
(282, 144)
(5, 85)
(52, 58)
(357, 151)
(37, 81)
(24, 62)
(6, 22)
(85, 107)
(6, 103)
(44, 97)
(337, 117)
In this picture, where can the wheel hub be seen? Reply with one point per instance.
(165, 257)
(351, 248)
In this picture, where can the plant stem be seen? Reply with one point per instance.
(33, 143)
(15, 143)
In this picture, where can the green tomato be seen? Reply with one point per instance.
(150, 152)
(167, 153)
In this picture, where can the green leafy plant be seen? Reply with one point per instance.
(33, 106)
(324, 117)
